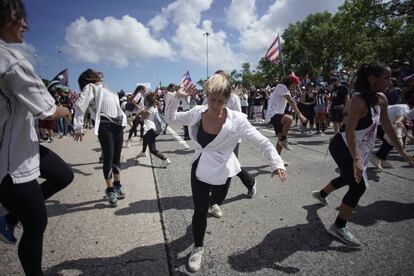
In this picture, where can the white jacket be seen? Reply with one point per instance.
(217, 160)
(91, 92)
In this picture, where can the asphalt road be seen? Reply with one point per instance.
(282, 230)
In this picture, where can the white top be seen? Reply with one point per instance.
(139, 99)
(109, 105)
(365, 140)
(22, 96)
(397, 110)
(149, 122)
(277, 101)
(217, 161)
(244, 100)
(234, 102)
(92, 97)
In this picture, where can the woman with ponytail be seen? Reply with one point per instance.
(353, 145)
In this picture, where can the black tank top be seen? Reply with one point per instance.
(203, 137)
(363, 123)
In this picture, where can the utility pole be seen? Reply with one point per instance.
(206, 34)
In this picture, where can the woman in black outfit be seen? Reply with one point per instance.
(352, 147)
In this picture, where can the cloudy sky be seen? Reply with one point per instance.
(133, 41)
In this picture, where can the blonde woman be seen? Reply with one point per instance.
(215, 130)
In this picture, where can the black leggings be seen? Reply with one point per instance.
(26, 203)
(149, 140)
(137, 121)
(245, 177)
(343, 159)
(202, 200)
(111, 138)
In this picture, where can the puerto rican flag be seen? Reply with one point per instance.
(274, 50)
(186, 80)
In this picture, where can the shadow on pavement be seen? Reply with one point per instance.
(383, 210)
(55, 208)
(180, 151)
(283, 242)
(144, 260)
(167, 203)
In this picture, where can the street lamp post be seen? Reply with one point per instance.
(60, 62)
(206, 34)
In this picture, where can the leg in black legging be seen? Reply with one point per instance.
(149, 140)
(133, 129)
(245, 177)
(106, 139)
(201, 195)
(219, 192)
(55, 171)
(26, 203)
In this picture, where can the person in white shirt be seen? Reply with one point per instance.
(23, 96)
(398, 114)
(110, 121)
(215, 131)
(244, 101)
(275, 114)
(149, 140)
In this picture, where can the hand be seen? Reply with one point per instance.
(302, 118)
(188, 91)
(281, 173)
(78, 136)
(409, 158)
(358, 170)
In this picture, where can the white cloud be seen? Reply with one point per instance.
(117, 41)
(257, 35)
(180, 12)
(241, 14)
(193, 43)
(188, 37)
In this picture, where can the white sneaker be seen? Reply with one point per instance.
(375, 161)
(387, 165)
(142, 154)
(215, 211)
(286, 163)
(166, 162)
(196, 256)
(128, 144)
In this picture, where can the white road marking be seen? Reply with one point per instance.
(178, 137)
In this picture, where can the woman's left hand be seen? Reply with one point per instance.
(281, 173)
(409, 158)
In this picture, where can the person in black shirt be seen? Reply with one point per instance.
(339, 99)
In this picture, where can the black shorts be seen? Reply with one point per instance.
(337, 114)
(276, 122)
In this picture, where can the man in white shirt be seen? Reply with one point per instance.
(397, 113)
(276, 108)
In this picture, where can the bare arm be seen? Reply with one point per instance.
(60, 112)
(295, 107)
(357, 108)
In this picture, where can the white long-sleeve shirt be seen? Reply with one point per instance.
(22, 96)
(217, 160)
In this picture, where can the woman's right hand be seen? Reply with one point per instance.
(358, 170)
(78, 136)
(281, 173)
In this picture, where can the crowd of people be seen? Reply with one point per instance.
(376, 101)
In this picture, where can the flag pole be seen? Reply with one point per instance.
(281, 56)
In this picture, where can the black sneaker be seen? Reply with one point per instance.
(119, 192)
(112, 198)
(252, 191)
(6, 232)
